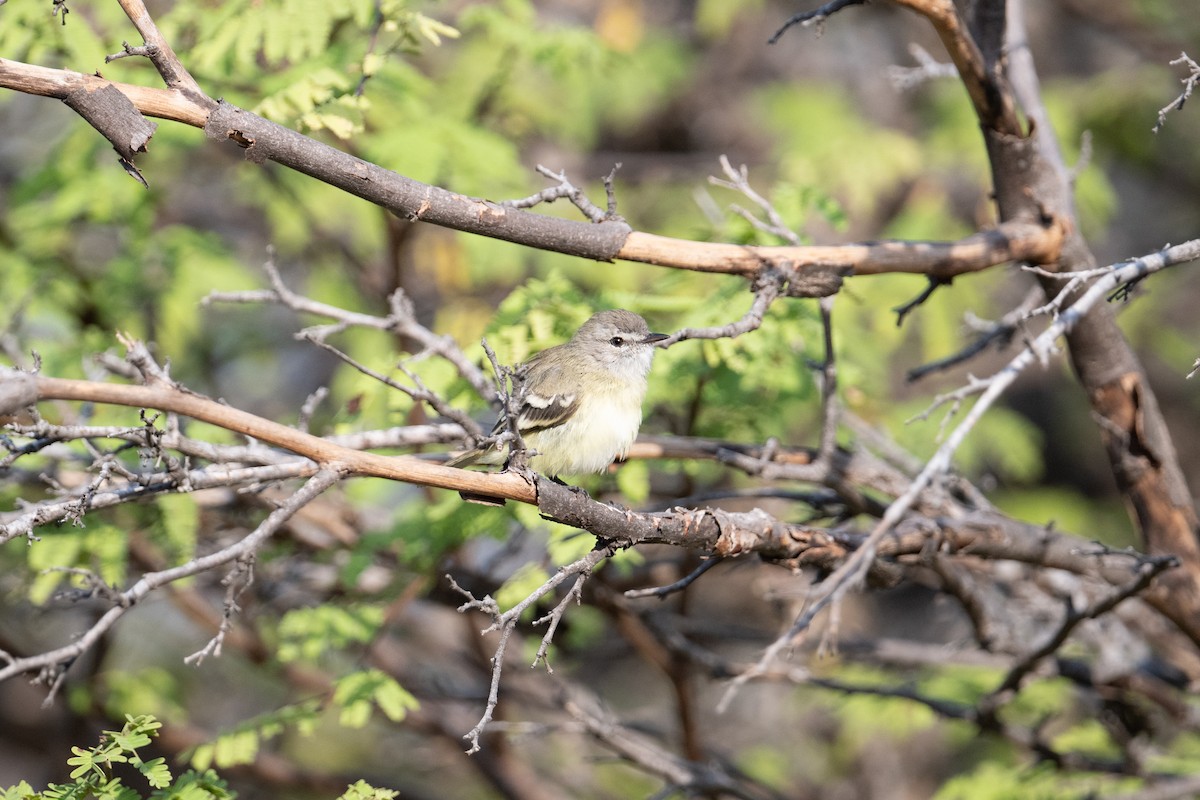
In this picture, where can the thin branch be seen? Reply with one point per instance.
(904, 309)
(928, 68)
(555, 616)
(739, 180)
(679, 585)
(1189, 86)
(815, 17)
(237, 581)
(850, 573)
(56, 661)
(506, 622)
(766, 292)
(1000, 333)
(830, 408)
(688, 778)
(509, 385)
(568, 190)
(421, 393)
(1148, 570)
(92, 497)
(160, 53)
(309, 407)
(401, 320)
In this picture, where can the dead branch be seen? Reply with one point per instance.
(53, 662)
(851, 573)
(1189, 86)
(401, 321)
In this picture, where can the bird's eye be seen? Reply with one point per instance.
(616, 341)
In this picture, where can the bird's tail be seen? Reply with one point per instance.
(465, 459)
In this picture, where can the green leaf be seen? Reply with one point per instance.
(22, 791)
(156, 771)
(238, 747)
(361, 790)
(84, 762)
(356, 694)
(310, 633)
(193, 785)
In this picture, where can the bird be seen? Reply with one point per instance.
(579, 404)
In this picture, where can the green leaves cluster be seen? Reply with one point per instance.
(92, 777)
(355, 697)
(318, 55)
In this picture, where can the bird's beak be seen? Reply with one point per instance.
(654, 338)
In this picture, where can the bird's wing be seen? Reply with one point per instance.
(552, 405)
(537, 412)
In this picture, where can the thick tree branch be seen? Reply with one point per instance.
(322, 451)
(992, 100)
(153, 102)
(1139, 447)
(1024, 241)
(604, 241)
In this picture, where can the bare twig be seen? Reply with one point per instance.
(999, 332)
(683, 777)
(828, 371)
(904, 309)
(815, 17)
(568, 190)
(309, 407)
(1148, 570)
(159, 51)
(506, 622)
(237, 581)
(421, 393)
(400, 321)
(766, 292)
(57, 660)
(739, 180)
(679, 585)
(928, 68)
(1189, 86)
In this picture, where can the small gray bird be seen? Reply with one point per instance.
(580, 404)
